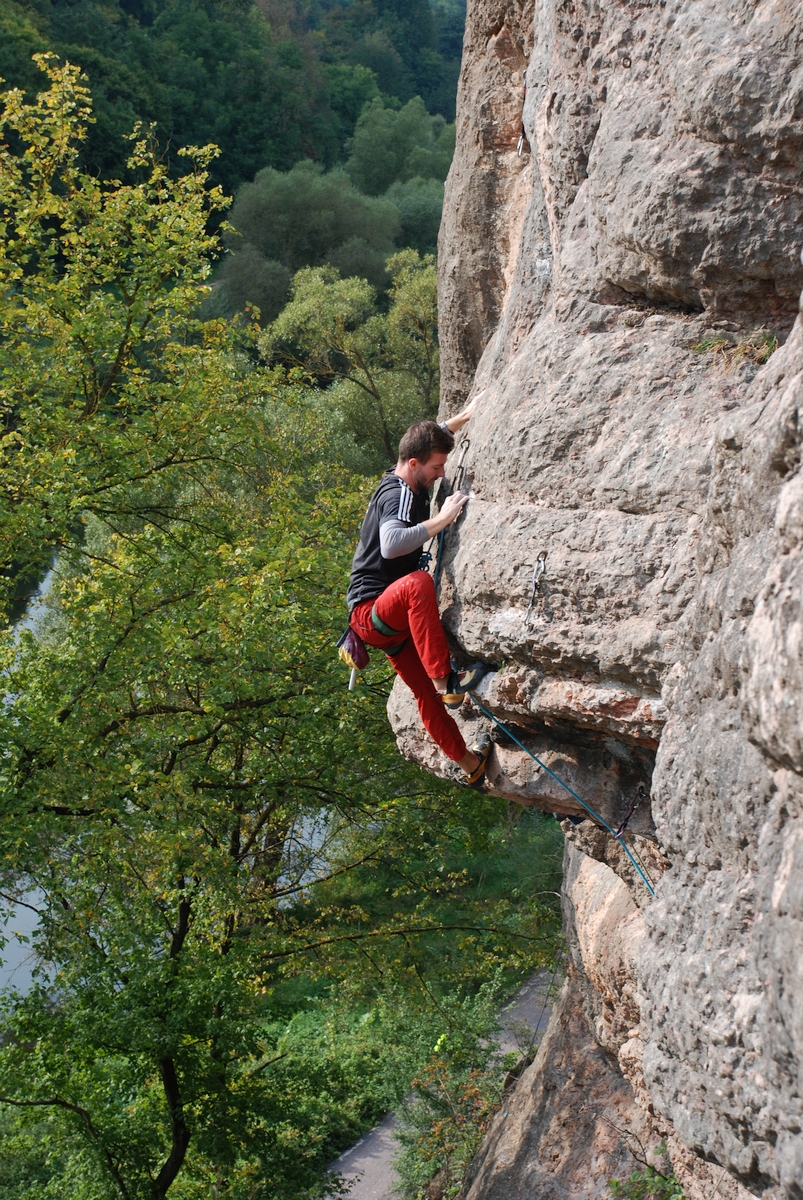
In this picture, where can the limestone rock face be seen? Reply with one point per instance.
(617, 291)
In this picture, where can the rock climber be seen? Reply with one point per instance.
(392, 603)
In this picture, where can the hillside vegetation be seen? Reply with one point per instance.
(270, 83)
(256, 923)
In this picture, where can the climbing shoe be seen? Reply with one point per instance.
(482, 748)
(461, 682)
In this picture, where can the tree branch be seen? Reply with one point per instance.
(373, 934)
(181, 1134)
(59, 1102)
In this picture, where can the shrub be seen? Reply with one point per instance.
(419, 203)
(388, 146)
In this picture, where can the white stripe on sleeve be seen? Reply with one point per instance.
(405, 502)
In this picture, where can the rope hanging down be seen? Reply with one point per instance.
(566, 788)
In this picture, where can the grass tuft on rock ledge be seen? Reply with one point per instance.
(755, 347)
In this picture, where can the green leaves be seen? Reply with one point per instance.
(202, 815)
(390, 145)
(112, 395)
(385, 368)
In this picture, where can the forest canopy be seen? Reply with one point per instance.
(270, 82)
(334, 119)
(306, 217)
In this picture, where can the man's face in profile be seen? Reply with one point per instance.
(426, 473)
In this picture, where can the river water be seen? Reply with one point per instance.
(17, 959)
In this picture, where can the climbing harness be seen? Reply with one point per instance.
(523, 134)
(538, 570)
(591, 812)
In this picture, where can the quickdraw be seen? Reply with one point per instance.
(641, 795)
(562, 783)
(457, 485)
(523, 135)
(460, 470)
(538, 571)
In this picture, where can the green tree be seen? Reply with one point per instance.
(400, 41)
(110, 390)
(184, 781)
(271, 82)
(304, 217)
(390, 145)
(382, 368)
(419, 203)
(21, 36)
(284, 221)
(200, 70)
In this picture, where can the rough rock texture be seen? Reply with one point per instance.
(610, 290)
(580, 1110)
(488, 193)
(722, 966)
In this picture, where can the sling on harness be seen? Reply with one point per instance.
(382, 627)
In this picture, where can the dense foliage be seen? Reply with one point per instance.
(391, 191)
(301, 218)
(383, 368)
(251, 931)
(294, 92)
(270, 82)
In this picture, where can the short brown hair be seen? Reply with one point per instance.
(423, 439)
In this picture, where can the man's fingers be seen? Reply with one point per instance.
(454, 504)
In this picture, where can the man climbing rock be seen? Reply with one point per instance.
(392, 603)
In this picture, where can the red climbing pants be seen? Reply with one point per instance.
(409, 607)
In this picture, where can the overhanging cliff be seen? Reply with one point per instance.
(614, 289)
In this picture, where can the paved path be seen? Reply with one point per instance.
(369, 1163)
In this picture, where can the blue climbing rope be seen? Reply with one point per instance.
(440, 558)
(566, 788)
